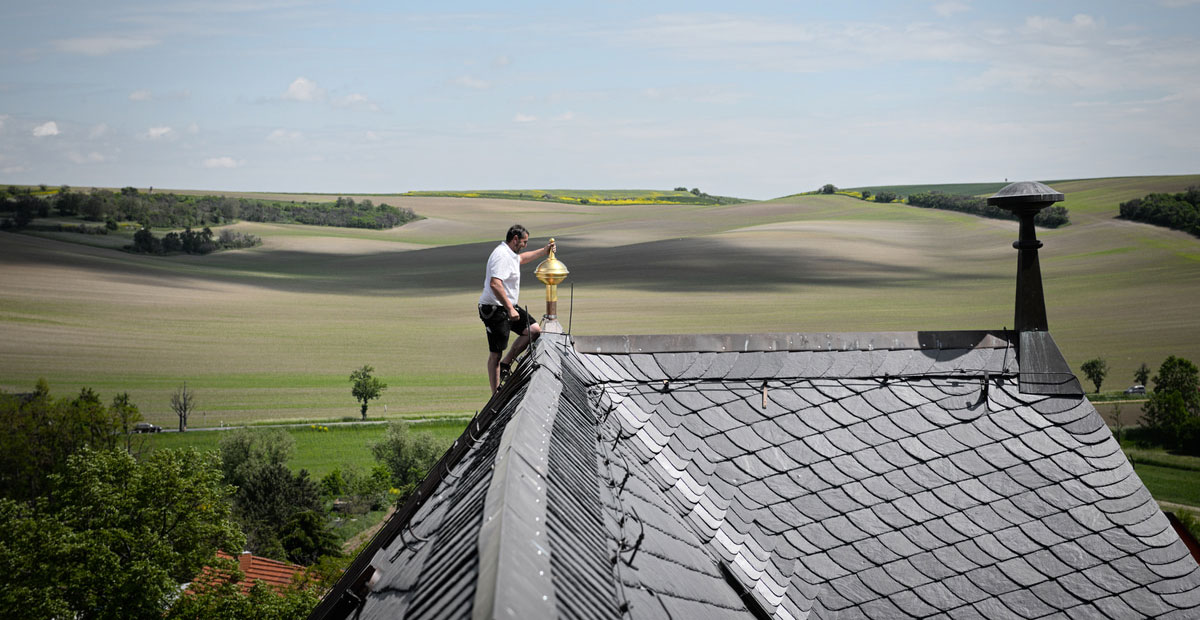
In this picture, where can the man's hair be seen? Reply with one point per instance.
(517, 230)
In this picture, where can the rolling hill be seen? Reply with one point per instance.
(273, 332)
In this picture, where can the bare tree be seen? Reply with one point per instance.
(1118, 424)
(183, 402)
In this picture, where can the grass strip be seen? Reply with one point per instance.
(1170, 484)
(319, 449)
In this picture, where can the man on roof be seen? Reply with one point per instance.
(498, 307)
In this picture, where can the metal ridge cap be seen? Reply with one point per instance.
(794, 341)
(515, 577)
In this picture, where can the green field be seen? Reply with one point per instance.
(271, 333)
(319, 450)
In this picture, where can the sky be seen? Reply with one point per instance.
(764, 100)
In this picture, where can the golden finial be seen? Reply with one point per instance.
(551, 272)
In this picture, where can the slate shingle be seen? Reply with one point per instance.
(932, 492)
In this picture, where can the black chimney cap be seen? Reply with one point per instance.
(1022, 193)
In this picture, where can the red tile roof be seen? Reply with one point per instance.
(274, 573)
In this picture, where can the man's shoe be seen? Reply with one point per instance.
(505, 371)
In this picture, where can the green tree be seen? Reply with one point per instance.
(1177, 374)
(268, 493)
(116, 537)
(360, 491)
(267, 500)
(125, 414)
(262, 602)
(66, 202)
(1095, 370)
(1172, 412)
(828, 188)
(41, 433)
(1141, 376)
(244, 451)
(306, 537)
(408, 455)
(886, 197)
(366, 388)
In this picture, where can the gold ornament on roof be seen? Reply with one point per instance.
(551, 272)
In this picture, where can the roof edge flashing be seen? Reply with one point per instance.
(795, 341)
(1043, 369)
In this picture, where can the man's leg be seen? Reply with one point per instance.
(520, 343)
(493, 369)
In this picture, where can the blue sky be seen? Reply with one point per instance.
(759, 101)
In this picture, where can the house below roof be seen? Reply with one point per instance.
(276, 574)
(778, 476)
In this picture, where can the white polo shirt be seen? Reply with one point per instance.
(506, 265)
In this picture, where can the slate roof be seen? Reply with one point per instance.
(897, 475)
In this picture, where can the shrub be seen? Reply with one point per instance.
(1051, 217)
(408, 456)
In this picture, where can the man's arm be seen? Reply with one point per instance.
(533, 255)
(497, 286)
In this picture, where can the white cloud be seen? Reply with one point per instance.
(1178, 4)
(90, 158)
(49, 128)
(372, 136)
(565, 116)
(193, 129)
(140, 95)
(98, 131)
(1037, 25)
(99, 46)
(950, 8)
(468, 81)
(222, 162)
(524, 118)
(1079, 54)
(284, 136)
(3, 118)
(356, 100)
(304, 89)
(501, 61)
(159, 133)
(701, 94)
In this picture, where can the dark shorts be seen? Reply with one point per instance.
(496, 323)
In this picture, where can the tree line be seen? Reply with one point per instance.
(95, 525)
(1050, 217)
(191, 241)
(1176, 211)
(168, 210)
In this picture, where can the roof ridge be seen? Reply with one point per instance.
(512, 542)
(794, 341)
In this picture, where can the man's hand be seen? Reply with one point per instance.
(513, 314)
(550, 247)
